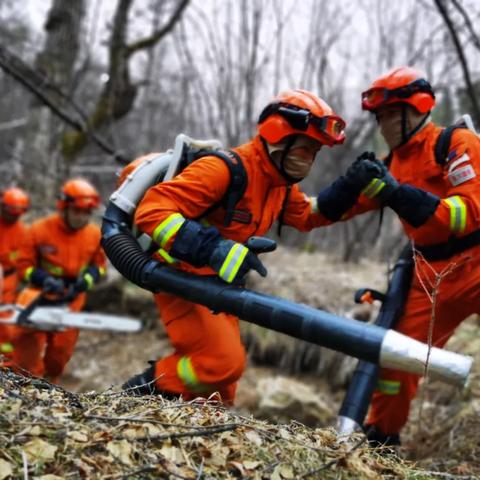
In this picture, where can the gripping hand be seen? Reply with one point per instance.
(232, 261)
(53, 285)
(363, 170)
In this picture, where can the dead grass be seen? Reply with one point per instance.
(48, 433)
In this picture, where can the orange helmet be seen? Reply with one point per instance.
(78, 193)
(400, 85)
(15, 201)
(298, 112)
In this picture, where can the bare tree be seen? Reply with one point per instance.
(441, 6)
(119, 93)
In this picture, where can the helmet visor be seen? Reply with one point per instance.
(300, 119)
(376, 97)
(82, 202)
(14, 210)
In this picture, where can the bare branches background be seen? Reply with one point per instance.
(127, 76)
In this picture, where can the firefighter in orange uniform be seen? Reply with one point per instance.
(14, 203)
(437, 199)
(187, 219)
(62, 254)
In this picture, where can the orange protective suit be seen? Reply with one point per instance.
(209, 355)
(457, 183)
(11, 236)
(61, 252)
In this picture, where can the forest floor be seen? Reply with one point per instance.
(290, 393)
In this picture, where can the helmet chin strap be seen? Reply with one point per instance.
(285, 151)
(406, 136)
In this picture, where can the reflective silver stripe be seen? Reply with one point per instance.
(167, 229)
(232, 263)
(313, 204)
(458, 214)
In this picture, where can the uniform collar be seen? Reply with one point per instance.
(418, 139)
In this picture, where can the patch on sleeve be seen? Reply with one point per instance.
(461, 175)
(452, 166)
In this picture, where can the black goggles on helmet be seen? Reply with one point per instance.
(375, 97)
(300, 119)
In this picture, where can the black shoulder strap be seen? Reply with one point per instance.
(443, 143)
(282, 211)
(238, 181)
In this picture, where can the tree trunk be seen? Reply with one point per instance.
(43, 168)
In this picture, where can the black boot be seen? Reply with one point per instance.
(144, 384)
(378, 439)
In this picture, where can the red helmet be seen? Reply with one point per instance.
(298, 112)
(15, 201)
(78, 193)
(400, 85)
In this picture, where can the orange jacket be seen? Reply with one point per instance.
(414, 163)
(60, 251)
(11, 236)
(204, 183)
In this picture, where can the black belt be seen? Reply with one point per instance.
(443, 251)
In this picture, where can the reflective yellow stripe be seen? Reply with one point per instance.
(373, 188)
(13, 255)
(6, 347)
(167, 229)
(168, 258)
(187, 375)
(389, 387)
(458, 214)
(232, 263)
(102, 271)
(51, 268)
(28, 273)
(89, 279)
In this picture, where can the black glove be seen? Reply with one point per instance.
(363, 170)
(87, 279)
(372, 176)
(81, 285)
(232, 261)
(53, 285)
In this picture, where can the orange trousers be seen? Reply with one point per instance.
(209, 356)
(458, 297)
(43, 354)
(7, 296)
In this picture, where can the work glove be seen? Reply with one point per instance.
(53, 285)
(383, 185)
(81, 285)
(412, 204)
(232, 261)
(86, 280)
(363, 170)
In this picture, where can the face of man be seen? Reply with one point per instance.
(76, 218)
(389, 119)
(300, 157)
(8, 215)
